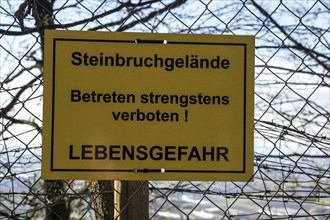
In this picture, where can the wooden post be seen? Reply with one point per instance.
(117, 192)
(134, 200)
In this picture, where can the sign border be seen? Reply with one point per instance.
(52, 168)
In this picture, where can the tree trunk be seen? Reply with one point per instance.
(103, 199)
(57, 206)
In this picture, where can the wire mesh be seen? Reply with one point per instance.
(292, 129)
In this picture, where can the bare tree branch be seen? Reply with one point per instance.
(298, 45)
(16, 98)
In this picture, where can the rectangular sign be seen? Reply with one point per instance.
(134, 106)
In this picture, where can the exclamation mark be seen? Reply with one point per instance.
(186, 115)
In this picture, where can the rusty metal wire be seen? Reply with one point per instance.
(292, 93)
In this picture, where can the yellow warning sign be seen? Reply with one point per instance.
(134, 106)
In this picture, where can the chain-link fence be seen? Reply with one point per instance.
(292, 105)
